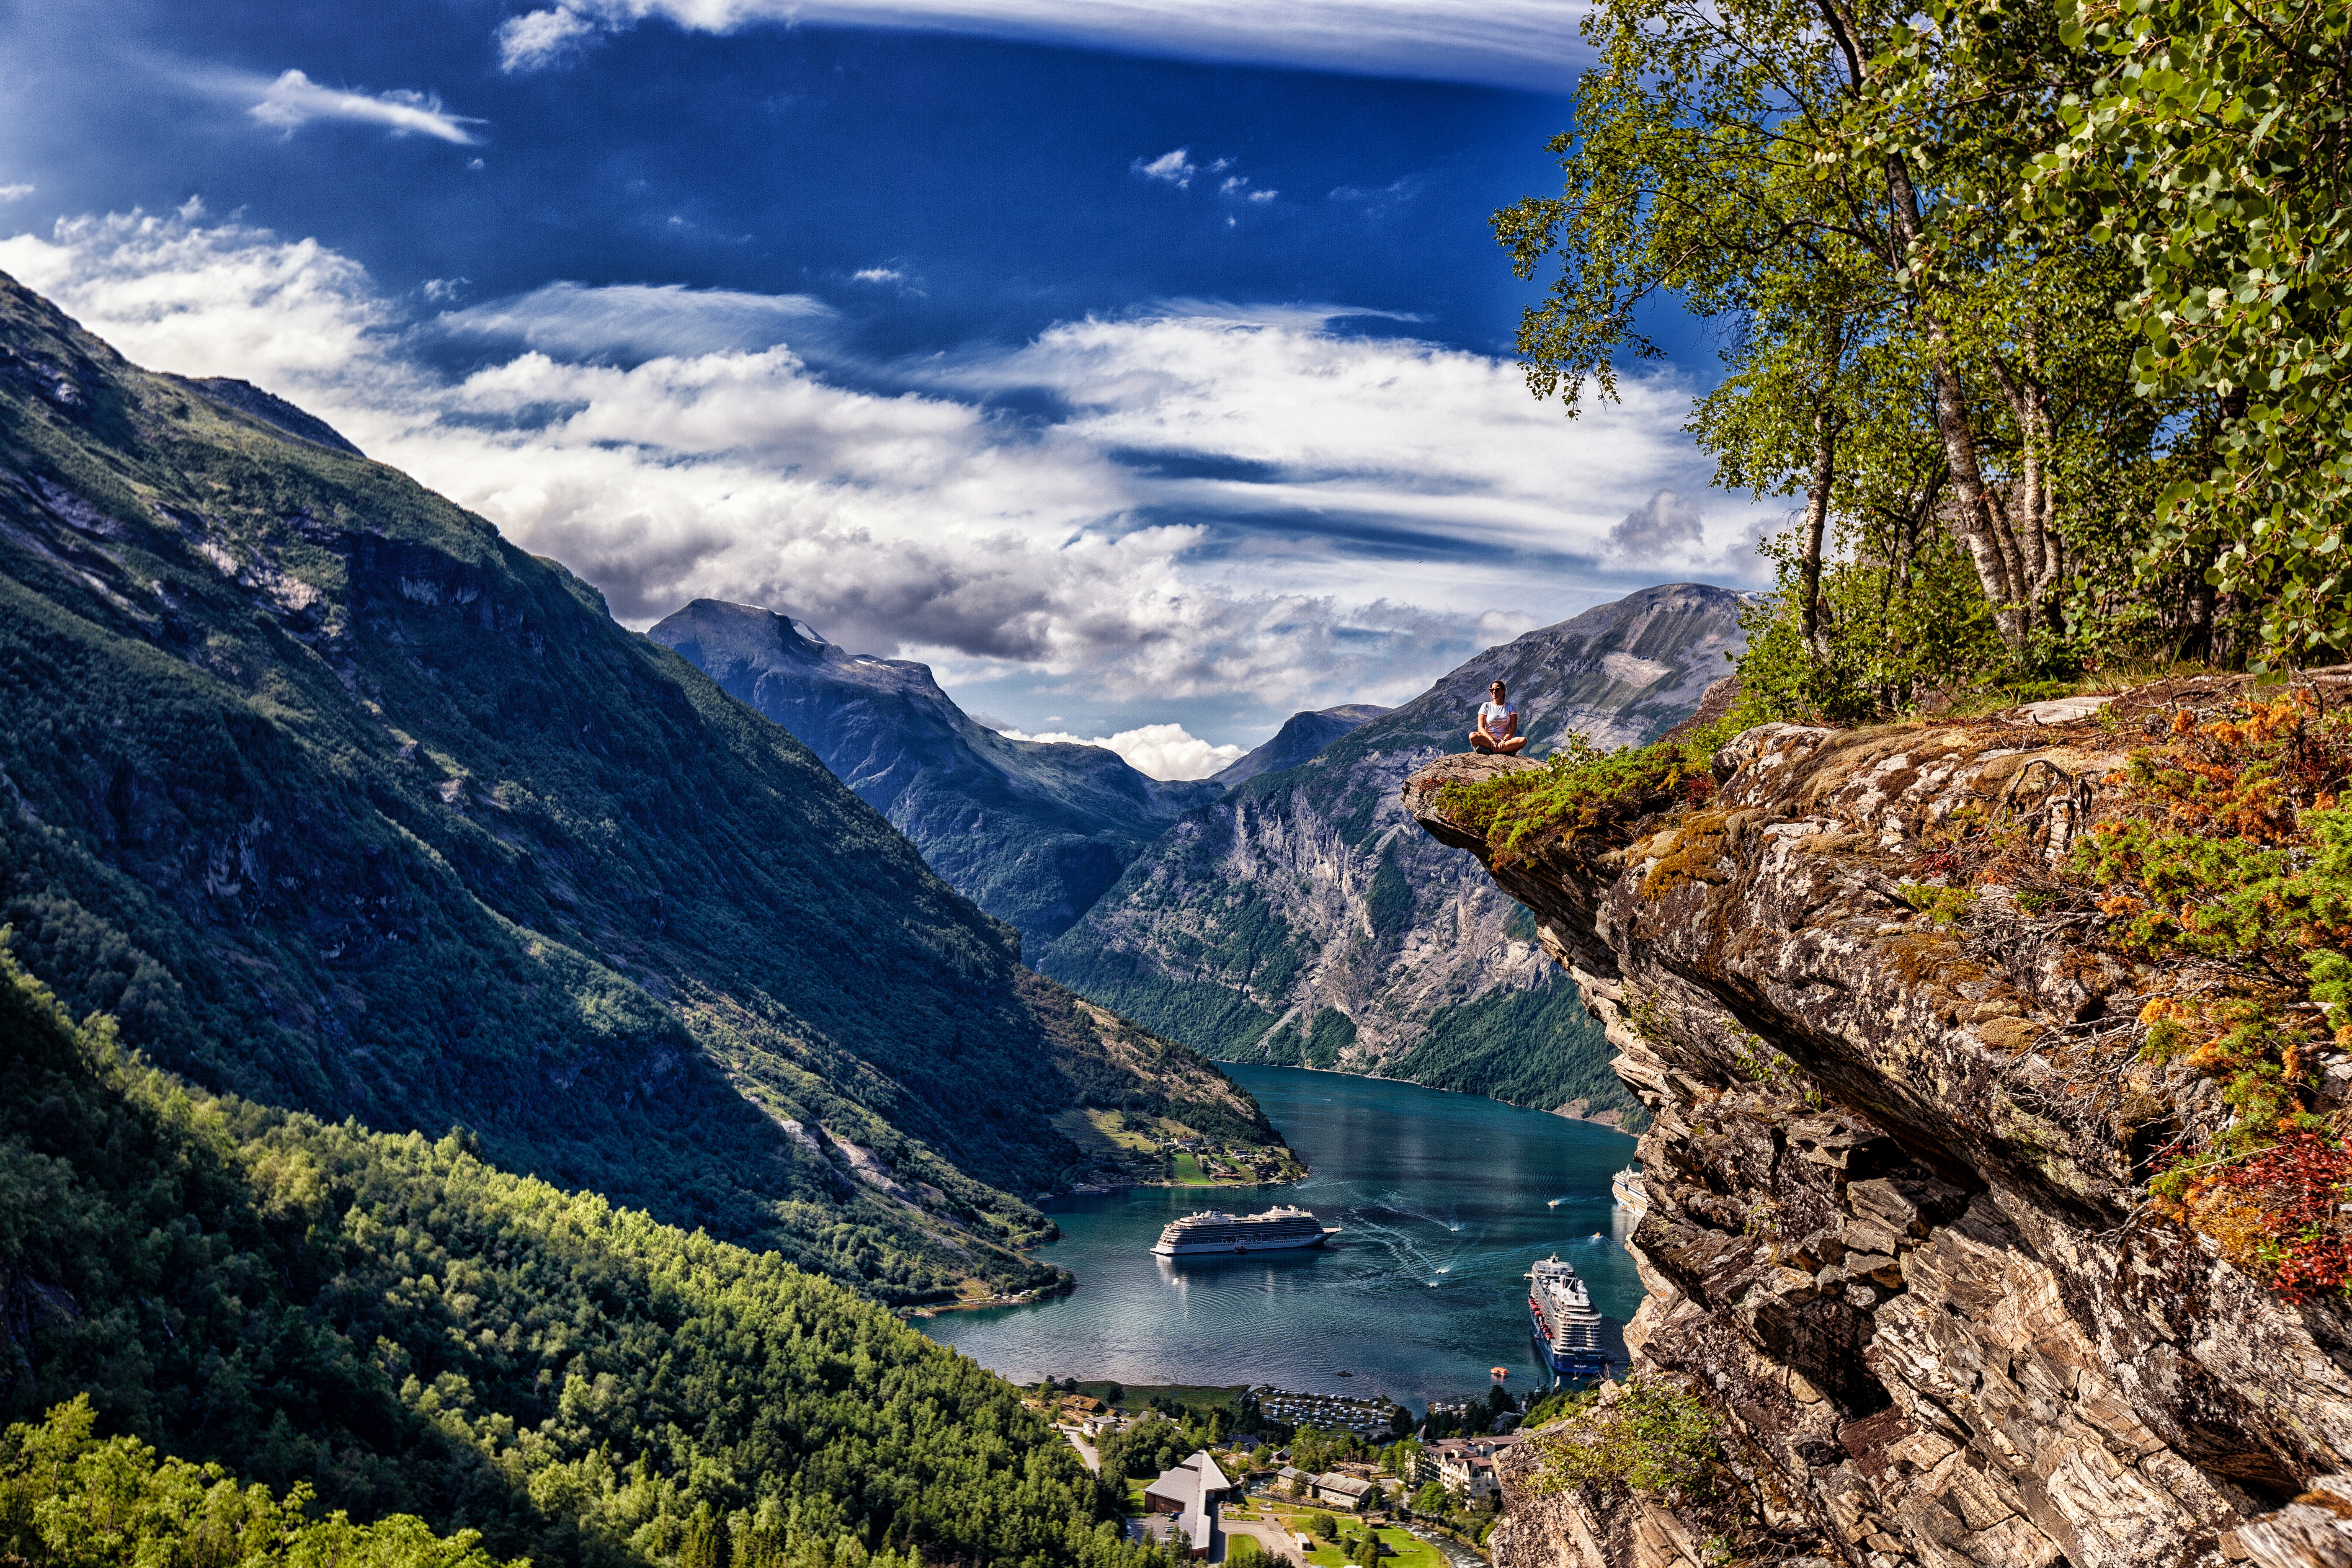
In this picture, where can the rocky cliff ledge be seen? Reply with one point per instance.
(1899, 1241)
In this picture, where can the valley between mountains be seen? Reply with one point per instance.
(1282, 910)
(460, 1055)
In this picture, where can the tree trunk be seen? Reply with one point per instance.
(2032, 516)
(1817, 511)
(1975, 519)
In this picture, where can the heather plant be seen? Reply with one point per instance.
(2228, 862)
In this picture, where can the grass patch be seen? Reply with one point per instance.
(1192, 1395)
(1189, 1172)
(1096, 1130)
(1408, 1551)
(1581, 789)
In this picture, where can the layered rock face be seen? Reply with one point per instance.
(1896, 1238)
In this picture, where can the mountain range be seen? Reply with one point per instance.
(1301, 736)
(1303, 918)
(1279, 911)
(1031, 831)
(338, 802)
(512, 1073)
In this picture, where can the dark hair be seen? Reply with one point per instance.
(1506, 690)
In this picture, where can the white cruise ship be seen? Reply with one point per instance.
(1626, 1188)
(1560, 1311)
(1277, 1229)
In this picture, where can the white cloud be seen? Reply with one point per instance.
(1529, 44)
(14, 193)
(540, 38)
(1263, 195)
(637, 320)
(293, 100)
(1162, 750)
(1177, 168)
(1238, 502)
(1661, 528)
(879, 275)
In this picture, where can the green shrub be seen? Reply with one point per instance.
(1655, 1440)
(1944, 906)
(1581, 789)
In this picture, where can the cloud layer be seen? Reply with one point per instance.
(1231, 505)
(1508, 43)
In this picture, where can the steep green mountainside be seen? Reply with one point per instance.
(1301, 736)
(342, 803)
(398, 1325)
(1305, 920)
(1030, 832)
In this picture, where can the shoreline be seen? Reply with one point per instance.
(1561, 1111)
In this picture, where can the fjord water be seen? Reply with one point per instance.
(1443, 1201)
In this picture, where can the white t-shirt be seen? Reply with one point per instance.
(1492, 714)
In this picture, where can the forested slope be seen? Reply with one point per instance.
(342, 803)
(395, 1322)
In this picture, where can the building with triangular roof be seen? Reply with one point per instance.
(1190, 1491)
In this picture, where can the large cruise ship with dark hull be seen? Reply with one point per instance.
(1560, 1309)
(1215, 1231)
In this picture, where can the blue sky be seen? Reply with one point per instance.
(1136, 362)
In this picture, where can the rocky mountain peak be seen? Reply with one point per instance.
(1302, 735)
(1031, 831)
(1304, 919)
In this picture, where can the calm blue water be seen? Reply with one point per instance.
(1443, 1200)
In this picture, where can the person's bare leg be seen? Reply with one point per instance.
(1479, 743)
(1512, 745)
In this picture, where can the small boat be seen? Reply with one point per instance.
(1499, 1372)
(1345, 1373)
(1552, 1205)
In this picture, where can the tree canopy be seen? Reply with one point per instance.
(2032, 303)
(392, 1326)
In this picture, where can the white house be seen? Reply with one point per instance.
(1465, 1465)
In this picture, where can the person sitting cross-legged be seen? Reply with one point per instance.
(1499, 725)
